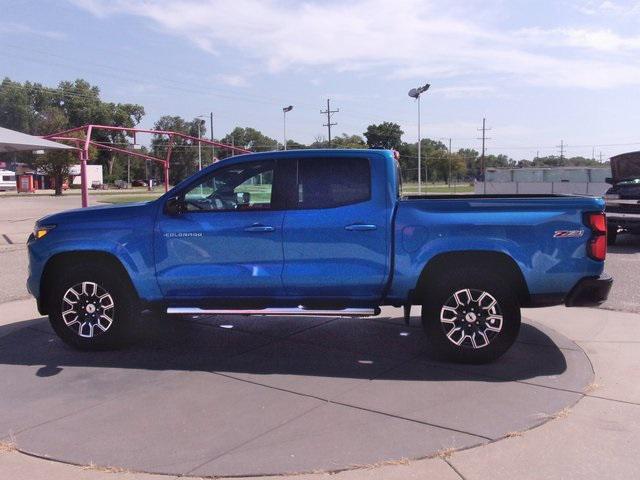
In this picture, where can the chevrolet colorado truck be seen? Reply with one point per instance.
(319, 232)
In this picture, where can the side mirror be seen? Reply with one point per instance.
(175, 206)
(609, 180)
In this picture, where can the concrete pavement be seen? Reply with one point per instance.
(595, 438)
(590, 439)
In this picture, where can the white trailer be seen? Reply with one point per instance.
(94, 175)
(7, 181)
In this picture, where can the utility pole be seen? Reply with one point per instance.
(449, 162)
(561, 147)
(600, 157)
(328, 112)
(484, 139)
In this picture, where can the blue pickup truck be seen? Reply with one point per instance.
(319, 232)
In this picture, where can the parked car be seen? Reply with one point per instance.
(623, 198)
(319, 232)
(138, 183)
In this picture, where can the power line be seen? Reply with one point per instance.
(134, 77)
(329, 112)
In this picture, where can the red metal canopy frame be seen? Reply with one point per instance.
(83, 144)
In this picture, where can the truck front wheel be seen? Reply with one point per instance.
(91, 307)
(470, 316)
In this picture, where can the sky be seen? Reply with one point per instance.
(540, 72)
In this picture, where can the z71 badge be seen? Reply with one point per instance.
(568, 233)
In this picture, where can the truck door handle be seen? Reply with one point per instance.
(259, 228)
(360, 227)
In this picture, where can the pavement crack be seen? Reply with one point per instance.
(242, 444)
(88, 408)
(608, 341)
(446, 460)
(356, 407)
(616, 400)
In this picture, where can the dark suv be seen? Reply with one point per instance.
(623, 198)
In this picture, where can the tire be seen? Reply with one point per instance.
(92, 307)
(612, 234)
(461, 320)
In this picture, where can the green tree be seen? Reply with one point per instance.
(385, 135)
(15, 107)
(82, 105)
(293, 145)
(22, 106)
(498, 161)
(184, 153)
(472, 161)
(341, 141)
(248, 138)
(54, 163)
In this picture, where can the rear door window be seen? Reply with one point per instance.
(333, 182)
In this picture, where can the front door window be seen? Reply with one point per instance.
(246, 186)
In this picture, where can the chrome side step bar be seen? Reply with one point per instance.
(296, 311)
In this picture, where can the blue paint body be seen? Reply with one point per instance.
(194, 257)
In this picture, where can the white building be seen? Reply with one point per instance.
(545, 180)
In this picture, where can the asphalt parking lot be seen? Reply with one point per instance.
(17, 217)
(623, 264)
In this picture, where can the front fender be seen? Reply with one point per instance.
(131, 244)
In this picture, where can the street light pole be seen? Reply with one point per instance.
(419, 152)
(284, 124)
(415, 93)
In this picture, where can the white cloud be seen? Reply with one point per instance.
(22, 29)
(608, 7)
(600, 39)
(408, 38)
(465, 91)
(231, 80)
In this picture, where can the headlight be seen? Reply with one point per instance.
(41, 230)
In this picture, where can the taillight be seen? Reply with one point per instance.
(597, 244)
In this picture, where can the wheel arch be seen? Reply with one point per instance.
(57, 262)
(496, 262)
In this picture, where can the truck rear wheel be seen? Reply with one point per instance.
(470, 316)
(92, 308)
